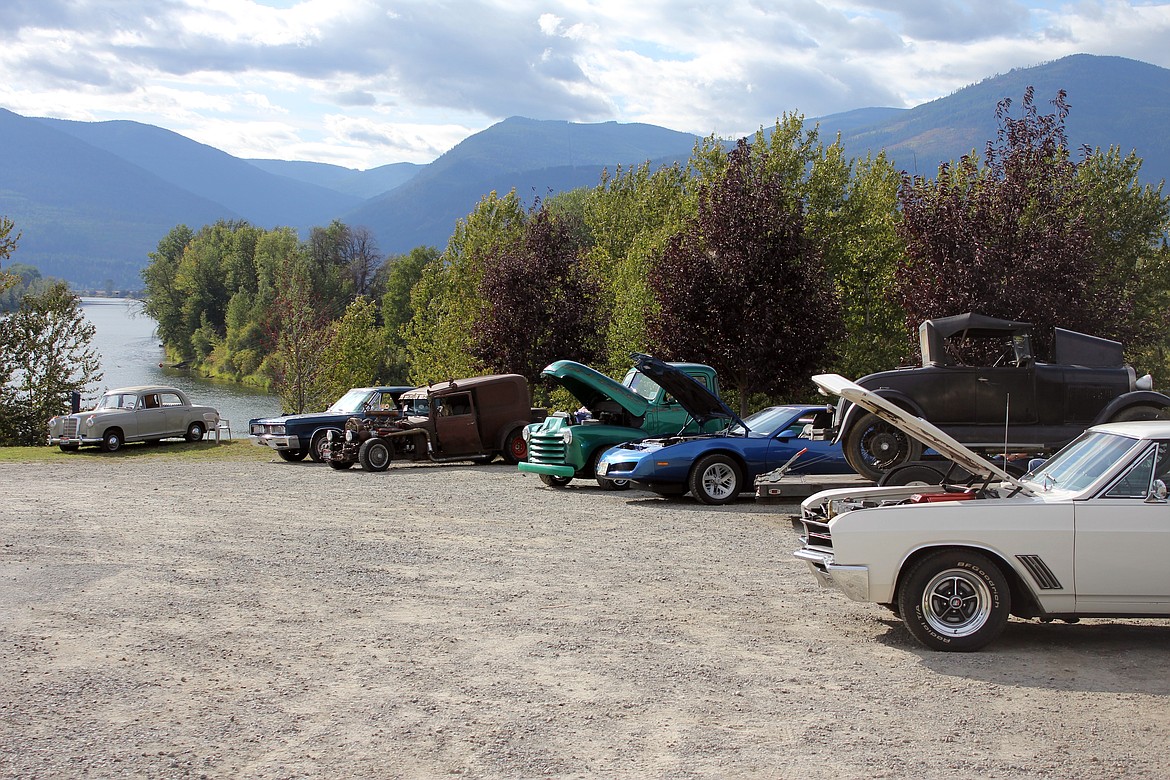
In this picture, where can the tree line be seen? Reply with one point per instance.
(771, 260)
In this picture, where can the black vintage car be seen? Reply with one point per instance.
(981, 383)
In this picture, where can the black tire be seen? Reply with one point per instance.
(553, 480)
(112, 440)
(292, 456)
(318, 445)
(955, 600)
(340, 465)
(872, 447)
(911, 476)
(515, 448)
(374, 454)
(195, 431)
(69, 447)
(715, 479)
(1140, 413)
(603, 483)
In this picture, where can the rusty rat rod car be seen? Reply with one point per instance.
(465, 419)
(1084, 534)
(981, 383)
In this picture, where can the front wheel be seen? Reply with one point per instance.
(292, 456)
(955, 600)
(602, 482)
(195, 431)
(374, 455)
(340, 465)
(515, 448)
(112, 440)
(552, 480)
(319, 445)
(716, 479)
(872, 447)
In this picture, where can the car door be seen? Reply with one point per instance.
(150, 417)
(455, 426)
(1122, 543)
(177, 414)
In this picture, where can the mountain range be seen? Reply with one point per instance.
(93, 199)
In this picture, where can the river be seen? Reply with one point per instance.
(131, 355)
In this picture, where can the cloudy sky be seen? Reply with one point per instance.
(362, 83)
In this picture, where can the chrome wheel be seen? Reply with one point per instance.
(956, 603)
(715, 479)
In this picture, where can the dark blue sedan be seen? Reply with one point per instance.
(716, 468)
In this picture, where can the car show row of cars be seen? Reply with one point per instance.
(949, 529)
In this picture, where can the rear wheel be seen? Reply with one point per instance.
(515, 448)
(872, 447)
(955, 600)
(292, 456)
(910, 476)
(195, 431)
(552, 480)
(716, 479)
(374, 455)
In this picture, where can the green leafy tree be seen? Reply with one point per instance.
(45, 356)
(736, 288)
(165, 296)
(298, 364)
(541, 301)
(353, 352)
(397, 277)
(446, 302)
(8, 244)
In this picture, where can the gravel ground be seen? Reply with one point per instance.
(168, 617)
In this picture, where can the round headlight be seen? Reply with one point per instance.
(333, 435)
(351, 436)
(89, 421)
(526, 434)
(567, 436)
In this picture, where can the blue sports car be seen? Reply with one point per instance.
(717, 467)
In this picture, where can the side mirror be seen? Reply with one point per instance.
(1158, 493)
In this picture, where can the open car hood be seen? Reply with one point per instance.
(591, 387)
(700, 403)
(922, 430)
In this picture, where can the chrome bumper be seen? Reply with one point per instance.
(278, 442)
(853, 581)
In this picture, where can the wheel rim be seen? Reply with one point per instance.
(719, 481)
(956, 603)
(883, 447)
(379, 456)
(519, 448)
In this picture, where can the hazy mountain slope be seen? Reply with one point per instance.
(1114, 102)
(84, 214)
(536, 157)
(363, 184)
(261, 197)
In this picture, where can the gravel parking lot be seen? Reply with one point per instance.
(170, 617)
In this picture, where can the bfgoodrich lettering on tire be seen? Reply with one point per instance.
(955, 600)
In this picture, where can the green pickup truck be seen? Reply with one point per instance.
(565, 446)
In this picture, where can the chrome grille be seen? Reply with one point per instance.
(545, 448)
(816, 533)
(69, 431)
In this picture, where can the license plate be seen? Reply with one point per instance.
(602, 468)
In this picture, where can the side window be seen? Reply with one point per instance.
(151, 401)
(458, 405)
(129, 401)
(701, 379)
(170, 399)
(1135, 483)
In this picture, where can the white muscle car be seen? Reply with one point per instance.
(128, 414)
(1085, 534)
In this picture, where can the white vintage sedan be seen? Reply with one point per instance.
(1085, 534)
(131, 414)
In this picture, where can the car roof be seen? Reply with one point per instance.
(922, 430)
(143, 389)
(1138, 429)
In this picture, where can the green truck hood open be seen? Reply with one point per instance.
(592, 387)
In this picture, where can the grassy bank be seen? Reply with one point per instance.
(241, 449)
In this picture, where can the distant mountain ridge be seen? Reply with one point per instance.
(92, 200)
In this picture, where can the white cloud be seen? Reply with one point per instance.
(361, 83)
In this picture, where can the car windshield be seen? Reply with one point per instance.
(1082, 462)
(766, 422)
(641, 384)
(117, 401)
(350, 403)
